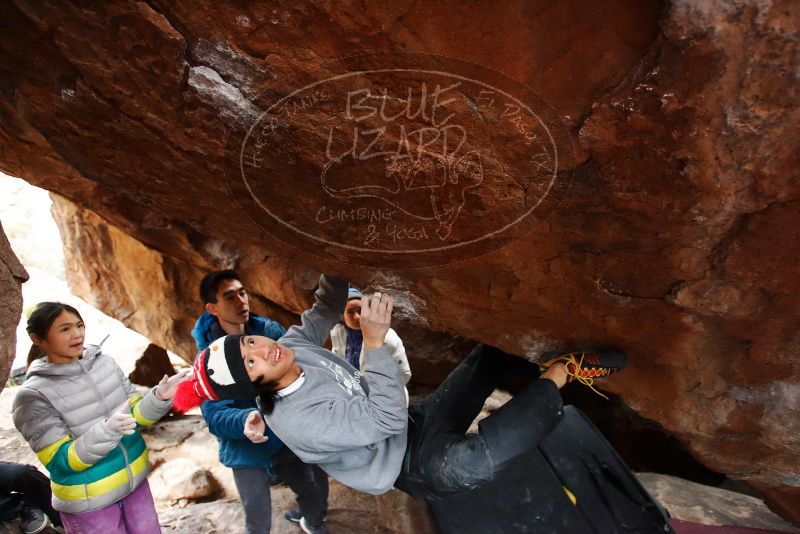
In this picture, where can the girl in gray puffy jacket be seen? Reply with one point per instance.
(79, 413)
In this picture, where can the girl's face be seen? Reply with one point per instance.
(352, 314)
(64, 342)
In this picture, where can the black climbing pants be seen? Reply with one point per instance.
(442, 459)
(23, 485)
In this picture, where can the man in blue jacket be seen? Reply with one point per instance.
(253, 458)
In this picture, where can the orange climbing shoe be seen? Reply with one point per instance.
(584, 367)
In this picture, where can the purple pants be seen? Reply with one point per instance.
(135, 514)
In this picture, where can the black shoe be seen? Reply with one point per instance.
(293, 515)
(584, 367)
(33, 520)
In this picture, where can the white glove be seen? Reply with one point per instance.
(166, 389)
(254, 427)
(121, 420)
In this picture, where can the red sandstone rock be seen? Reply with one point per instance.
(12, 275)
(676, 239)
(146, 290)
(151, 366)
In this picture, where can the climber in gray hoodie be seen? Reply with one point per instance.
(355, 424)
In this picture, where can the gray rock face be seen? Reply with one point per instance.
(711, 506)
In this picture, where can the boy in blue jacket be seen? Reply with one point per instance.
(253, 458)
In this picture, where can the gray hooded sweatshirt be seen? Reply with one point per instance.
(353, 425)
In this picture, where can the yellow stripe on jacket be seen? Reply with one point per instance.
(75, 463)
(46, 455)
(136, 403)
(102, 486)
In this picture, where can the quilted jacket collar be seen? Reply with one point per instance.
(42, 367)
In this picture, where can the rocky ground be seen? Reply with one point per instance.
(195, 494)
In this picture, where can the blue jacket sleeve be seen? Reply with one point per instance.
(273, 442)
(224, 419)
(274, 329)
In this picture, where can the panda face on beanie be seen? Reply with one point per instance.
(219, 373)
(225, 368)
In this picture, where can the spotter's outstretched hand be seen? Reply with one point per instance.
(254, 427)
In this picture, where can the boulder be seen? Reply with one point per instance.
(12, 275)
(151, 366)
(705, 505)
(618, 173)
(182, 478)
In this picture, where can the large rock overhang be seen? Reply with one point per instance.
(671, 232)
